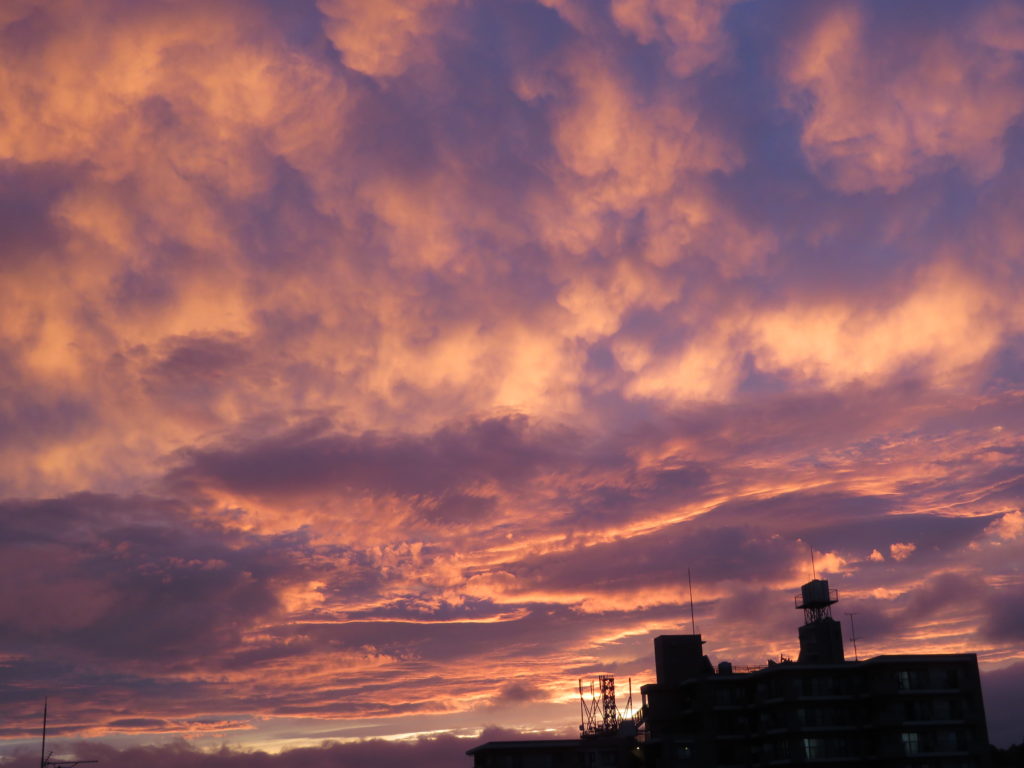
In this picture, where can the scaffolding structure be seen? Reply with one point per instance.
(599, 714)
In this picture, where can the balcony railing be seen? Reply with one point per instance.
(833, 597)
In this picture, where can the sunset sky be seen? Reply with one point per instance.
(375, 369)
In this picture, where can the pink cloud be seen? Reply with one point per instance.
(351, 352)
(882, 107)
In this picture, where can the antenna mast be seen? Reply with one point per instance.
(599, 716)
(853, 636)
(693, 621)
(42, 753)
(814, 571)
(44, 758)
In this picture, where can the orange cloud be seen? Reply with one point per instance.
(692, 29)
(881, 109)
(373, 346)
(946, 325)
(901, 550)
(382, 39)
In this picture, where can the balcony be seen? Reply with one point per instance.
(816, 598)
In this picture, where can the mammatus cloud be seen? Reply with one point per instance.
(374, 370)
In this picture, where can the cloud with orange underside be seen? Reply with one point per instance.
(351, 352)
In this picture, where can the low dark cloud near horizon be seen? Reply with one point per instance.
(438, 752)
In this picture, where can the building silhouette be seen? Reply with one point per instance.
(892, 711)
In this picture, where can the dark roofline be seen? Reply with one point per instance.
(771, 669)
(527, 744)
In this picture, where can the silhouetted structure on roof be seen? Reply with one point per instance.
(821, 637)
(559, 753)
(46, 758)
(905, 711)
(599, 715)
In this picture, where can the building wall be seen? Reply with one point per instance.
(891, 710)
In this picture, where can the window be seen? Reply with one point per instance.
(727, 753)
(910, 679)
(831, 747)
(816, 717)
(953, 678)
(822, 686)
(814, 749)
(948, 741)
(911, 743)
(727, 695)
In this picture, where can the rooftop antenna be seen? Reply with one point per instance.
(609, 712)
(584, 710)
(599, 716)
(44, 758)
(693, 621)
(853, 636)
(814, 571)
(42, 753)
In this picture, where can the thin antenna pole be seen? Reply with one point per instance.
(853, 636)
(44, 759)
(693, 621)
(42, 753)
(814, 571)
(583, 716)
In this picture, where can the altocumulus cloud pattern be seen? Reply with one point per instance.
(376, 369)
